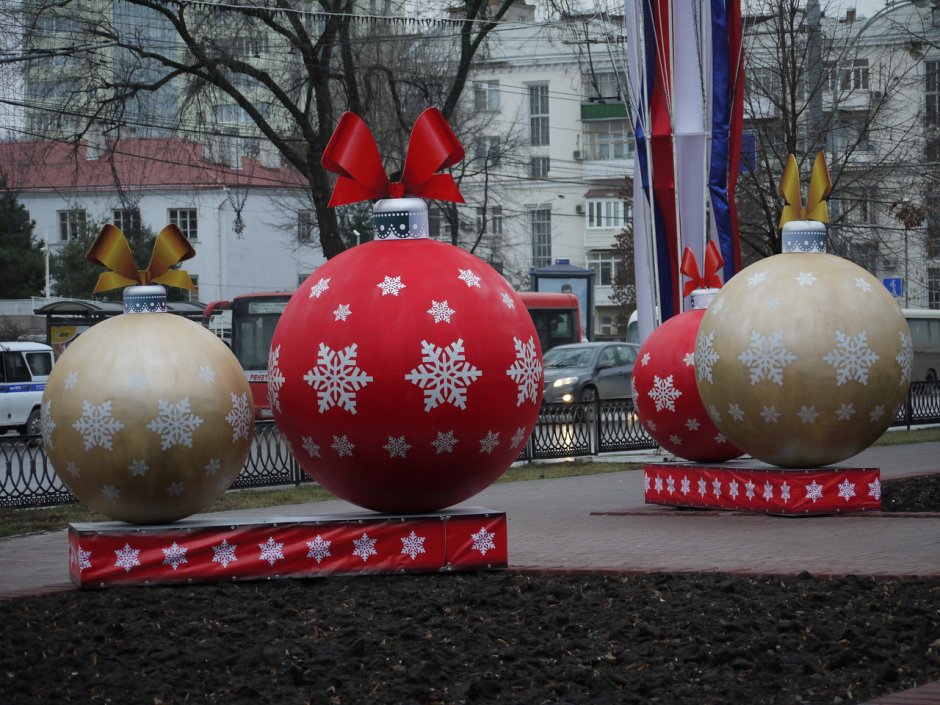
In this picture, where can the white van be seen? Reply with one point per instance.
(24, 369)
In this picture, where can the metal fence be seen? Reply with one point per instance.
(27, 479)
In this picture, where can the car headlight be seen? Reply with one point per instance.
(564, 382)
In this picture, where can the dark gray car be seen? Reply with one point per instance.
(588, 371)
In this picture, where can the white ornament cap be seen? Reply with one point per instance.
(149, 298)
(400, 219)
(700, 298)
(804, 236)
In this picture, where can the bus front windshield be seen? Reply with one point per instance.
(253, 324)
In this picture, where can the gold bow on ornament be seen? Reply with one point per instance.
(110, 249)
(820, 186)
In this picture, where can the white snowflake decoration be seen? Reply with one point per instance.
(175, 424)
(483, 541)
(364, 547)
(444, 375)
(412, 545)
(766, 357)
(275, 378)
(312, 449)
(174, 556)
(206, 374)
(675, 439)
(670, 484)
(73, 469)
(489, 442)
(337, 378)
(397, 447)
(846, 489)
(845, 412)
(877, 412)
(445, 442)
(773, 303)
(391, 285)
(440, 311)
(770, 414)
(685, 486)
(737, 413)
(646, 481)
(756, 278)
(97, 426)
(716, 487)
(111, 492)
(862, 284)
(224, 553)
(808, 414)
(80, 557)
(175, 489)
(317, 289)
(342, 312)
(319, 549)
(71, 380)
(689, 359)
(526, 371)
(271, 551)
(692, 424)
(663, 393)
(518, 438)
(805, 279)
(785, 492)
(874, 489)
(342, 446)
(768, 491)
(733, 489)
(213, 466)
(239, 418)
(851, 357)
(705, 356)
(905, 358)
(814, 491)
(702, 487)
(645, 360)
(658, 484)
(749, 489)
(468, 277)
(138, 467)
(127, 558)
(507, 300)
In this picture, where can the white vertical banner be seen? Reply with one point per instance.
(691, 22)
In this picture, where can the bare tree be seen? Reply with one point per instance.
(279, 73)
(838, 84)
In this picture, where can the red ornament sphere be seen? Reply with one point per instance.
(406, 375)
(666, 394)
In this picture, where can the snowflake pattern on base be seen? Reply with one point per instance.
(364, 547)
(127, 558)
(412, 545)
(483, 541)
(271, 551)
(224, 553)
(318, 549)
(174, 556)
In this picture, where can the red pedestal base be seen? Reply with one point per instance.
(208, 550)
(755, 487)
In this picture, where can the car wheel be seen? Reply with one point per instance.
(588, 394)
(33, 425)
(931, 375)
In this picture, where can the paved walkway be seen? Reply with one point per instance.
(600, 523)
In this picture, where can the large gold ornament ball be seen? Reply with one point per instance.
(147, 418)
(803, 360)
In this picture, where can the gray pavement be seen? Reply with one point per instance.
(600, 523)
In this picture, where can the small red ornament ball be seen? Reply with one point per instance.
(667, 398)
(406, 375)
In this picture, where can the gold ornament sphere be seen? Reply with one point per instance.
(803, 360)
(147, 418)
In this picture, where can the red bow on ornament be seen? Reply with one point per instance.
(709, 277)
(352, 154)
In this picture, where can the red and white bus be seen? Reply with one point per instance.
(556, 317)
(253, 320)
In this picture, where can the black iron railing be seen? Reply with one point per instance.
(27, 479)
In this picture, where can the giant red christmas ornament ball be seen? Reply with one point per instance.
(406, 373)
(667, 398)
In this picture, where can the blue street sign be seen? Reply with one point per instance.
(895, 285)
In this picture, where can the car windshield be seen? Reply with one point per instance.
(569, 357)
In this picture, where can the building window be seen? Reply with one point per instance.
(488, 150)
(538, 115)
(604, 265)
(607, 139)
(538, 167)
(306, 225)
(438, 225)
(933, 226)
(194, 292)
(540, 228)
(932, 109)
(606, 213)
(493, 224)
(72, 223)
(859, 208)
(127, 220)
(301, 278)
(846, 75)
(933, 288)
(185, 220)
(486, 95)
(603, 85)
(607, 325)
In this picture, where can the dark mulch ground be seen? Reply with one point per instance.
(482, 638)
